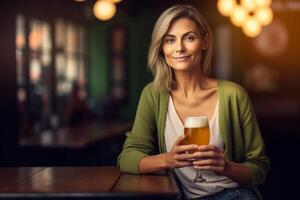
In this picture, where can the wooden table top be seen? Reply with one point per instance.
(11, 177)
(76, 136)
(83, 182)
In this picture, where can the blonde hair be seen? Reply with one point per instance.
(163, 74)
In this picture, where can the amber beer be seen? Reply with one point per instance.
(196, 130)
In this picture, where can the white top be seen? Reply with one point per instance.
(215, 183)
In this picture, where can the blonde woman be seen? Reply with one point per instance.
(234, 162)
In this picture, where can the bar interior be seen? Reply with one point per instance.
(71, 78)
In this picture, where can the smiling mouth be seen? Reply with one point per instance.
(182, 58)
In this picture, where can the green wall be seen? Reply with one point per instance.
(98, 79)
(139, 35)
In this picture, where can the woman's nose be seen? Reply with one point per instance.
(180, 48)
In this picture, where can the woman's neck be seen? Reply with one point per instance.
(189, 83)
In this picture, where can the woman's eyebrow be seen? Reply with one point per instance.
(170, 35)
(190, 33)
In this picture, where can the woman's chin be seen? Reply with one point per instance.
(183, 67)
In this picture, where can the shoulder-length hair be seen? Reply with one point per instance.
(163, 74)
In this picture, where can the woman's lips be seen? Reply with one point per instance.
(181, 58)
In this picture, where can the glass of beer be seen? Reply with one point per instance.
(196, 130)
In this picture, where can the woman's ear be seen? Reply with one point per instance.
(205, 42)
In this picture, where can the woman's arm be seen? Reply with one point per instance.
(176, 158)
(153, 163)
(255, 158)
(141, 140)
(237, 172)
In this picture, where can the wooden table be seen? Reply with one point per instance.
(76, 136)
(83, 183)
(90, 144)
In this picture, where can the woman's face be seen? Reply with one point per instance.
(182, 45)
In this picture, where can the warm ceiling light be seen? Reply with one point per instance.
(264, 15)
(251, 15)
(261, 3)
(239, 15)
(104, 10)
(249, 4)
(225, 7)
(251, 27)
(80, 0)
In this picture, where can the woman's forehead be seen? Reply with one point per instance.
(182, 25)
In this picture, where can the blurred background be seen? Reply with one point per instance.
(71, 74)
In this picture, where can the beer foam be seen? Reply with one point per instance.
(196, 122)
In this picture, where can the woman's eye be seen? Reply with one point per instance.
(170, 40)
(189, 38)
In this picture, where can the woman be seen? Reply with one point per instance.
(180, 57)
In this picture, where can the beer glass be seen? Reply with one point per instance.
(196, 130)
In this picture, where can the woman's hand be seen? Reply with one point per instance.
(211, 158)
(178, 156)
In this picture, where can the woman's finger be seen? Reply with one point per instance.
(210, 148)
(185, 164)
(209, 167)
(186, 148)
(208, 155)
(207, 162)
(185, 156)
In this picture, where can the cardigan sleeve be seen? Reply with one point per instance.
(255, 157)
(141, 140)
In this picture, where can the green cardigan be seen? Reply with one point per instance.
(239, 130)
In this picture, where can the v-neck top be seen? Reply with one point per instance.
(175, 128)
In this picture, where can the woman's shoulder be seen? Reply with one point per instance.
(149, 86)
(150, 89)
(153, 97)
(230, 88)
